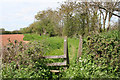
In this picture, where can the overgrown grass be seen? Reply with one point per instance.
(55, 45)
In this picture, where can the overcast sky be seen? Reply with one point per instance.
(16, 14)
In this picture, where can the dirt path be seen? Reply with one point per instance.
(73, 52)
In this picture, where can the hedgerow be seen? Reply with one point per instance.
(100, 58)
(24, 61)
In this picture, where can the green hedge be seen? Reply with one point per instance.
(10, 32)
(100, 58)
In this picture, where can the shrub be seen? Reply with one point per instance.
(100, 58)
(24, 61)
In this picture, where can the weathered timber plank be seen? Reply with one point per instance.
(80, 47)
(58, 64)
(66, 49)
(65, 45)
(54, 57)
(55, 71)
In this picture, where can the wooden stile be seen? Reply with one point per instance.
(65, 57)
(57, 64)
(66, 49)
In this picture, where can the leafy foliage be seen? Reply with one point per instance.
(100, 58)
(24, 61)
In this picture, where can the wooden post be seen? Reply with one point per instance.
(66, 49)
(80, 47)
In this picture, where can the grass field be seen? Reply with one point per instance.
(56, 44)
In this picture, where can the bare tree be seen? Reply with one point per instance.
(107, 9)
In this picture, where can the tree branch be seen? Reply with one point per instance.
(116, 9)
(109, 11)
(101, 7)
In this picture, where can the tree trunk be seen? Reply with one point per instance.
(110, 15)
(104, 20)
(104, 24)
(88, 27)
(100, 29)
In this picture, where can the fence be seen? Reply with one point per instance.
(65, 57)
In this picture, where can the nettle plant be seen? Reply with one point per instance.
(19, 52)
(24, 60)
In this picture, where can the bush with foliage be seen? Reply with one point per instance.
(24, 61)
(100, 58)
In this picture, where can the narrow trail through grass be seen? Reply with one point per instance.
(73, 53)
(55, 45)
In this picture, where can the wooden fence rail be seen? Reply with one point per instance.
(54, 57)
(65, 57)
(65, 63)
